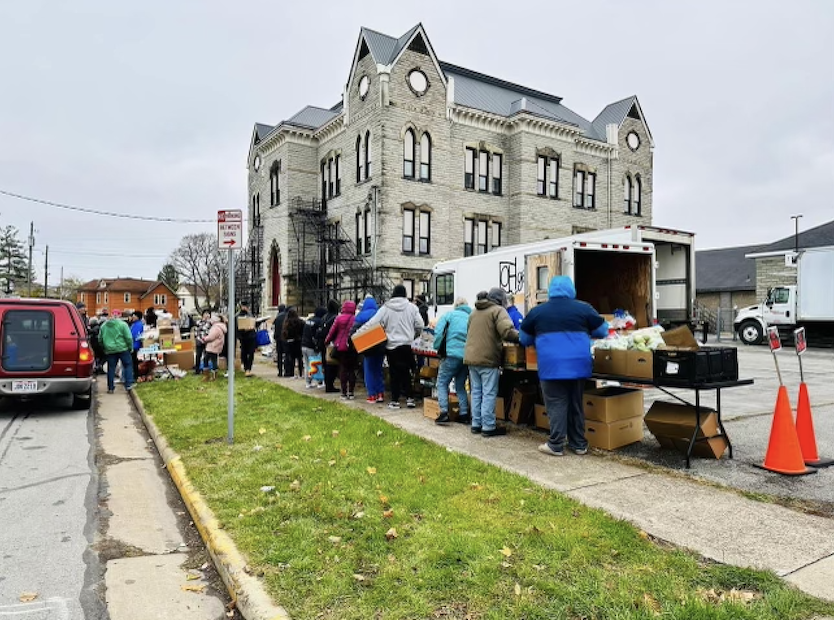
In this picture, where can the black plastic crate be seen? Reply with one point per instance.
(705, 365)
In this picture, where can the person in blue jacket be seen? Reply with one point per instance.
(561, 330)
(374, 357)
(452, 328)
(515, 315)
(137, 326)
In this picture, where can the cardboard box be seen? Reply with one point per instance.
(610, 404)
(164, 323)
(427, 372)
(639, 364)
(431, 408)
(223, 365)
(603, 362)
(672, 424)
(366, 340)
(530, 358)
(166, 342)
(619, 362)
(521, 405)
(680, 337)
(500, 409)
(612, 435)
(184, 345)
(167, 330)
(540, 417)
(182, 359)
(246, 322)
(514, 356)
(433, 362)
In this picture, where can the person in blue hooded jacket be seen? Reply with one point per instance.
(374, 357)
(452, 329)
(561, 330)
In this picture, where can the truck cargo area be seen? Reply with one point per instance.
(614, 280)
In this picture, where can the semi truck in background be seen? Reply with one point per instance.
(808, 304)
(647, 271)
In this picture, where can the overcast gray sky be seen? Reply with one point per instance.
(148, 107)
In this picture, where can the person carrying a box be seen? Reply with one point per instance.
(214, 342)
(450, 334)
(248, 340)
(561, 330)
(373, 358)
(489, 327)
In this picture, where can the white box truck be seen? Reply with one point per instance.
(808, 304)
(646, 270)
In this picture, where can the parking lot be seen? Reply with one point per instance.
(747, 413)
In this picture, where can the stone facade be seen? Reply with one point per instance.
(391, 107)
(772, 271)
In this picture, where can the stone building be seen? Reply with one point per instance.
(423, 161)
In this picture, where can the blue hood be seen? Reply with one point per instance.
(561, 286)
(369, 309)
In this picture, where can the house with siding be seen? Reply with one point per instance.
(421, 161)
(124, 295)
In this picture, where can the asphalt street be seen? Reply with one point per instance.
(747, 412)
(48, 511)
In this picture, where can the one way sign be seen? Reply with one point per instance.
(230, 229)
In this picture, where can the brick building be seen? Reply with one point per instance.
(126, 295)
(423, 161)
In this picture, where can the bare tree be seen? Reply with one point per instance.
(198, 262)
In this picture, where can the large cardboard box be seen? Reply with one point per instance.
(500, 409)
(166, 342)
(610, 404)
(246, 322)
(433, 362)
(680, 337)
(540, 418)
(612, 435)
(672, 424)
(530, 359)
(222, 364)
(521, 405)
(427, 372)
(603, 362)
(184, 360)
(431, 408)
(619, 362)
(639, 364)
(514, 356)
(366, 340)
(184, 345)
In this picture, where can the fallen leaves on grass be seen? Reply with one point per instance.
(295, 485)
(306, 438)
(335, 539)
(379, 433)
(517, 589)
(383, 499)
(651, 603)
(267, 489)
(371, 470)
(736, 596)
(335, 433)
(358, 577)
(506, 552)
(343, 452)
(28, 597)
(262, 431)
(391, 534)
(257, 448)
(388, 514)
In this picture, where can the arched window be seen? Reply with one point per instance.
(637, 197)
(408, 154)
(367, 154)
(359, 165)
(425, 157)
(627, 194)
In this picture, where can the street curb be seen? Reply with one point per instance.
(246, 591)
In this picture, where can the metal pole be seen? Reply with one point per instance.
(230, 354)
(795, 219)
(46, 273)
(718, 327)
(31, 245)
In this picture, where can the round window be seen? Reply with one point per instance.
(418, 81)
(633, 141)
(257, 163)
(364, 85)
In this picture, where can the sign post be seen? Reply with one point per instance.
(775, 346)
(230, 237)
(801, 346)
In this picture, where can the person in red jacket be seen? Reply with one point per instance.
(339, 335)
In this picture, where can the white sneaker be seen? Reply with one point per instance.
(394, 405)
(410, 403)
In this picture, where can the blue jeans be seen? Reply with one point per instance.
(127, 369)
(452, 368)
(372, 368)
(483, 382)
(563, 400)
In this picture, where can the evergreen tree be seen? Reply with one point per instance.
(14, 262)
(170, 276)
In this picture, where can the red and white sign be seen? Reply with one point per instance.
(799, 338)
(230, 229)
(773, 339)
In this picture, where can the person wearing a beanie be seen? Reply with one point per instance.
(489, 327)
(308, 343)
(402, 324)
(280, 345)
(331, 370)
(561, 330)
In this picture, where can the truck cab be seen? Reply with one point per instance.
(778, 308)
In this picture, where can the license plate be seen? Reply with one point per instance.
(24, 386)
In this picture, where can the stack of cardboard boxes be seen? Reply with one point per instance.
(613, 416)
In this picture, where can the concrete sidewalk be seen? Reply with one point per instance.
(719, 524)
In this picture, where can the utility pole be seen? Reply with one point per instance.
(31, 245)
(795, 219)
(46, 273)
(61, 288)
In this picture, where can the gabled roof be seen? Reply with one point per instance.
(311, 117)
(385, 49)
(124, 285)
(725, 269)
(261, 131)
(817, 237)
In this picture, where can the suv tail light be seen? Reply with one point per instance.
(84, 353)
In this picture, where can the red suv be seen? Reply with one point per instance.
(44, 350)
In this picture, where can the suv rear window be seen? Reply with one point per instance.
(27, 340)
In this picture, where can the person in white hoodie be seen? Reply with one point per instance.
(402, 323)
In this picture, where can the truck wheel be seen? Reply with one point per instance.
(83, 400)
(750, 332)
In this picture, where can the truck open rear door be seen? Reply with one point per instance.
(540, 268)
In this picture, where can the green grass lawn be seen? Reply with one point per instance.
(366, 521)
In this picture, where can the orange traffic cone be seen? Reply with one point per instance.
(784, 456)
(805, 430)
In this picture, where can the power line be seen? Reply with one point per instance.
(128, 216)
